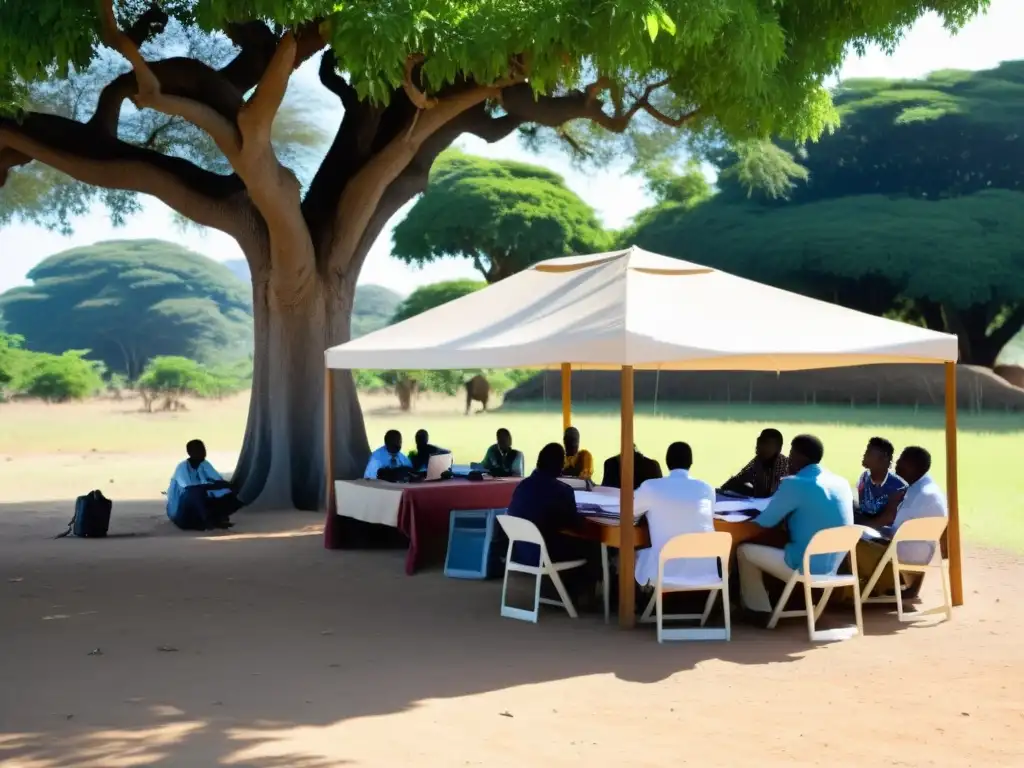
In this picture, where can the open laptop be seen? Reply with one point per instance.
(437, 465)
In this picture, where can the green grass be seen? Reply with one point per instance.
(991, 446)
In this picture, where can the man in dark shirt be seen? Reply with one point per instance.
(550, 504)
(643, 469)
(420, 457)
(760, 478)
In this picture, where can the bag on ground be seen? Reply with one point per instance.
(92, 516)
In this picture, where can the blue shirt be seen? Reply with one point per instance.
(873, 498)
(382, 458)
(546, 502)
(809, 501)
(186, 475)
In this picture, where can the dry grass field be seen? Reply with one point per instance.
(260, 648)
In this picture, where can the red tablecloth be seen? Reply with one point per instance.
(424, 511)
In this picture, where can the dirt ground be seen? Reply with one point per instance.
(260, 648)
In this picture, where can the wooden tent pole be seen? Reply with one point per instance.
(329, 440)
(627, 547)
(956, 582)
(566, 396)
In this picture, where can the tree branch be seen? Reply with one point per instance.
(412, 68)
(100, 160)
(334, 82)
(257, 115)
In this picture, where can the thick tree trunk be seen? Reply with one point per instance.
(281, 463)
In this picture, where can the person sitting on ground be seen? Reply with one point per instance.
(877, 483)
(810, 500)
(501, 460)
(760, 478)
(643, 469)
(419, 457)
(198, 498)
(578, 462)
(551, 505)
(675, 505)
(388, 461)
(922, 498)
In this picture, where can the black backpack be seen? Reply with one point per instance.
(92, 516)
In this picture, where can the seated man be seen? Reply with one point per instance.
(551, 506)
(420, 456)
(922, 498)
(877, 483)
(643, 469)
(501, 460)
(198, 499)
(760, 478)
(810, 500)
(388, 461)
(675, 505)
(578, 463)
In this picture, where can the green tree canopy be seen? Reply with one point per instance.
(502, 215)
(412, 76)
(129, 301)
(954, 265)
(434, 295)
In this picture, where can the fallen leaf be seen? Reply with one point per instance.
(167, 649)
(505, 714)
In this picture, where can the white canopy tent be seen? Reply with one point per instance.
(631, 310)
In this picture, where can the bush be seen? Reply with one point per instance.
(60, 378)
(174, 377)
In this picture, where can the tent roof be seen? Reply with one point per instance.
(632, 307)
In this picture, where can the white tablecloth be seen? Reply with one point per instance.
(372, 501)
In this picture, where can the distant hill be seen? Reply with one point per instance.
(374, 305)
(130, 300)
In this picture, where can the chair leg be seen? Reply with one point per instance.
(708, 606)
(947, 599)
(879, 570)
(781, 605)
(725, 606)
(857, 613)
(606, 584)
(536, 597)
(504, 589)
(811, 609)
(563, 595)
(658, 596)
(646, 617)
(899, 592)
(820, 607)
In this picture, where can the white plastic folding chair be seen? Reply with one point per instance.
(689, 546)
(840, 540)
(922, 529)
(518, 529)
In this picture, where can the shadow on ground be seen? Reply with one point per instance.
(174, 649)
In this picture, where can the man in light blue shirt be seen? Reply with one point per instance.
(198, 499)
(388, 457)
(810, 500)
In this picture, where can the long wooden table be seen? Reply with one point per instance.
(609, 536)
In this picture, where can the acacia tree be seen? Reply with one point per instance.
(412, 76)
(500, 214)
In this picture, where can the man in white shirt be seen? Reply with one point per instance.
(675, 505)
(198, 498)
(388, 457)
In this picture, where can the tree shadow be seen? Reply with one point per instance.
(227, 649)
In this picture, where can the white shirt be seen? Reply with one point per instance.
(382, 458)
(185, 475)
(923, 499)
(675, 504)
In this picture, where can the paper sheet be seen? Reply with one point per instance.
(733, 517)
(602, 500)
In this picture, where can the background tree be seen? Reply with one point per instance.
(129, 301)
(412, 76)
(501, 215)
(172, 378)
(59, 378)
(954, 265)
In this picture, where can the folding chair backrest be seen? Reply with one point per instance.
(921, 529)
(686, 545)
(833, 540)
(518, 529)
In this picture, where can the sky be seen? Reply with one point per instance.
(616, 197)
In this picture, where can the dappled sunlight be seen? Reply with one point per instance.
(229, 536)
(115, 748)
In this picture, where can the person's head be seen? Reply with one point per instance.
(769, 444)
(551, 459)
(504, 438)
(878, 455)
(679, 456)
(422, 439)
(393, 440)
(571, 440)
(804, 451)
(914, 463)
(196, 451)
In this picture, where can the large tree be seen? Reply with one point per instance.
(500, 214)
(130, 300)
(412, 76)
(954, 265)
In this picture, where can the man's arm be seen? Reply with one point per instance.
(371, 468)
(738, 483)
(892, 508)
(518, 465)
(568, 516)
(782, 504)
(181, 477)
